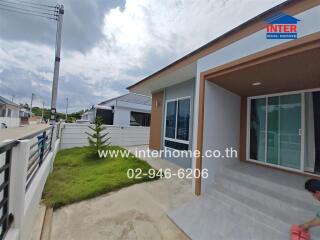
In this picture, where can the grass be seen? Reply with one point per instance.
(80, 175)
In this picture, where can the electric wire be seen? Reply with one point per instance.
(27, 13)
(28, 6)
(27, 10)
(36, 4)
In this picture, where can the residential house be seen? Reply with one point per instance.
(9, 112)
(130, 109)
(256, 90)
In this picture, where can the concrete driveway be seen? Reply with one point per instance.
(136, 212)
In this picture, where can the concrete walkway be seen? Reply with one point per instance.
(136, 212)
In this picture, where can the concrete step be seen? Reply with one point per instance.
(283, 202)
(273, 218)
(290, 185)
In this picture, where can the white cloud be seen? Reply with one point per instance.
(136, 41)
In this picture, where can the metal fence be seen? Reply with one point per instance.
(40, 148)
(6, 218)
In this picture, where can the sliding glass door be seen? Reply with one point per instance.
(258, 129)
(275, 130)
(290, 131)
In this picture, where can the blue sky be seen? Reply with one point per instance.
(108, 45)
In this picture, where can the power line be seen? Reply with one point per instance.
(36, 4)
(31, 14)
(27, 10)
(26, 5)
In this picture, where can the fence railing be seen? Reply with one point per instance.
(39, 149)
(26, 163)
(6, 217)
(24, 167)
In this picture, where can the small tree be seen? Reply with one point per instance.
(98, 140)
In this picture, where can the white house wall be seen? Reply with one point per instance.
(222, 127)
(121, 116)
(10, 121)
(14, 112)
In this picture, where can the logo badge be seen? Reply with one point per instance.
(282, 26)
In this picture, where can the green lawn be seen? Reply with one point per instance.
(79, 175)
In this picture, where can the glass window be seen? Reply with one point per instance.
(176, 145)
(171, 119)
(177, 123)
(183, 119)
(139, 119)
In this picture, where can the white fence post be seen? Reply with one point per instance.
(19, 168)
(53, 143)
(60, 129)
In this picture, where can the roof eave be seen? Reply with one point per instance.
(261, 16)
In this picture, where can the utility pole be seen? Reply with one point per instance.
(32, 96)
(67, 108)
(42, 111)
(56, 65)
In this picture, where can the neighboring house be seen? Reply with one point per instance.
(130, 109)
(24, 113)
(8, 108)
(9, 112)
(254, 93)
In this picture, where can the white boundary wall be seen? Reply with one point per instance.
(10, 121)
(24, 204)
(74, 135)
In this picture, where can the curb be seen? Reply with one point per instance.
(47, 224)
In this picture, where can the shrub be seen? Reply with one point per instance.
(98, 140)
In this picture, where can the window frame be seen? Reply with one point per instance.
(144, 116)
(176, 124)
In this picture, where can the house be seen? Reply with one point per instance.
(130, 109)
(254, 92)
(8, 108)
(9, 112)
(24, 113)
